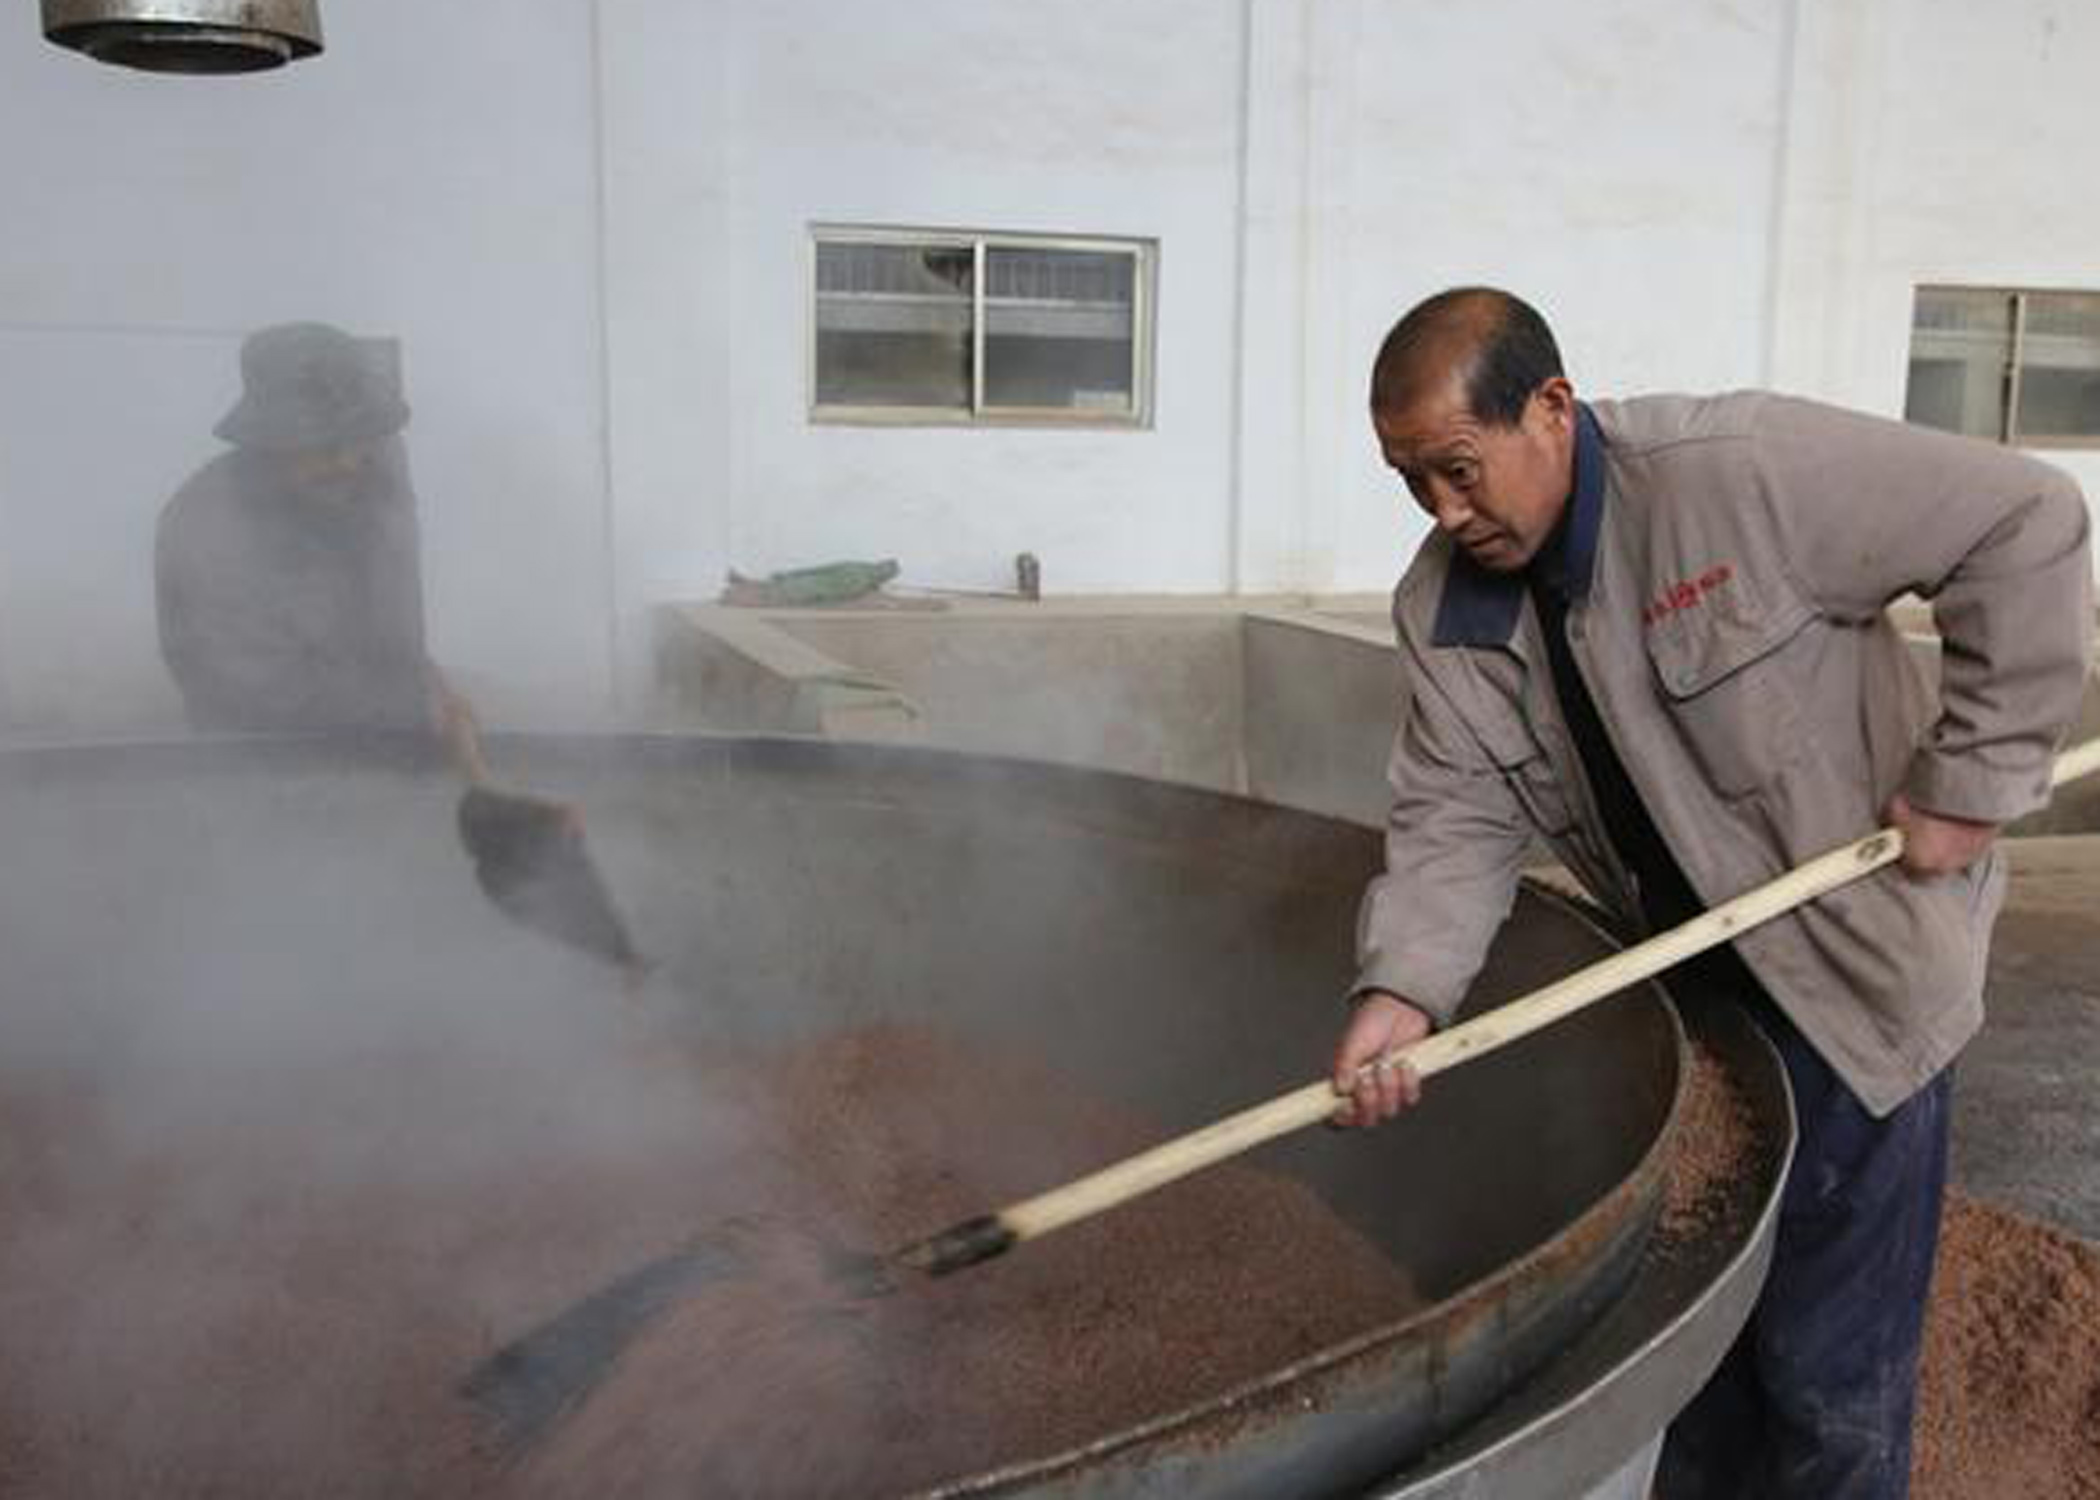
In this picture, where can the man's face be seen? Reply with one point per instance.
(1498, 491)
(334, 473)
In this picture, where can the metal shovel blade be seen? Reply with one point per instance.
(530, 860)
(531, 1383)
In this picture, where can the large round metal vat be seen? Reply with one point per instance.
(1184, 953)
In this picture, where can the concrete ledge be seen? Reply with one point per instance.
(733, 669)
(1148, 686)
(1321, 699)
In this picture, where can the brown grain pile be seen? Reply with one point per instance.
(1163, 1303)
(271, 1283)
(2009, 1392)
(1709, 1148)
(2009, 1403)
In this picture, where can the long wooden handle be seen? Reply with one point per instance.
(1313, 1103)
(460, 733)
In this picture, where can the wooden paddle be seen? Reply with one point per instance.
(529, 1382)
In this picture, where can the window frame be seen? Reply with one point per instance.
(1144, 254)
(2009, 434)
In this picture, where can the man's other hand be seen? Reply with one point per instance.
(1934, 844)
(1368, 1090)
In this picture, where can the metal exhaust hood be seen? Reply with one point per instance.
(187, 36)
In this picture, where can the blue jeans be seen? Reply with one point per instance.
(1814, 1401)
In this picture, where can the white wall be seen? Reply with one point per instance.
(1699, 195)
(1614, 163)
(1367, 165)
(589, 226)
(1307, 169)
(758, 121)
(429, 178)
(1932, 141)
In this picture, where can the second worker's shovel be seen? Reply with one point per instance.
(529, 854)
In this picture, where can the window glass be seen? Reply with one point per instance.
(1060, 329)
(893, 325)
(1960, 349)
(2059, 393)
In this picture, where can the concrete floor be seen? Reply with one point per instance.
(2027, 1090)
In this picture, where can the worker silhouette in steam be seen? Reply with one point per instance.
(290, 598)
(287, 570)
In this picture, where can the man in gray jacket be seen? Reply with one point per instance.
(1652, 632)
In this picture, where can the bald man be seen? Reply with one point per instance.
(1652, 633)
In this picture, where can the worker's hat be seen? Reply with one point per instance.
(308, 385)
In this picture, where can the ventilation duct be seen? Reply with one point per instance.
(187, 36)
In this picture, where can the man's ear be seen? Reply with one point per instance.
(1556, 397)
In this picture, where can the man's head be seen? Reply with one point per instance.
(315, 394)
(1473, 411)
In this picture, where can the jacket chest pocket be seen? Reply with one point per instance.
(1525, 768)
(1727, 681)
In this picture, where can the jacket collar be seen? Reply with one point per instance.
(1480, 608)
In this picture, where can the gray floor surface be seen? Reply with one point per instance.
(2027, 1090)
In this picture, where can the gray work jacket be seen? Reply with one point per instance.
(1739, 553)
(281, 609)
